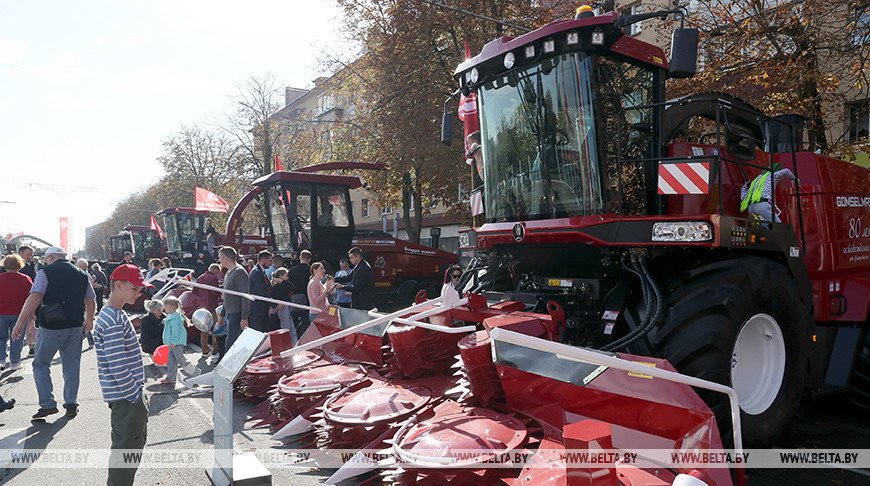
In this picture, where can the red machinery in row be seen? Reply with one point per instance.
(308, 211)
(610, 236)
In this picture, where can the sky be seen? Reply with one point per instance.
(89, 90)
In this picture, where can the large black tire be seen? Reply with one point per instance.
(859, 383)
(704, 317)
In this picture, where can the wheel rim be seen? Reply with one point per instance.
(758, 363)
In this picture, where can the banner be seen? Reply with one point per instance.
(209, 201)
(156, 226)
(64, 234)
(278, 166)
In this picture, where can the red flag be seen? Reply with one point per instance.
(209, 201)
(156, 226)
(64, 233)
(278, 164)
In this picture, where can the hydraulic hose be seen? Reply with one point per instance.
(653, 316)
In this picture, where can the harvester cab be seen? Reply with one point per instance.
(146, 243)
(306, 210)
(309, 212)
(118, 244)
(185, 234)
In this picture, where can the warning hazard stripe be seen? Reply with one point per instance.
(476, 201)
(684, 178)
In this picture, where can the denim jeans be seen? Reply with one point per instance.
(7, 323)
(234, 328)
(48, 343)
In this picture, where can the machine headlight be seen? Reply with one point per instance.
(682, 231)
(509, 60)
(187, 255)
(473, 75)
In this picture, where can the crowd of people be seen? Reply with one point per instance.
(56, 303)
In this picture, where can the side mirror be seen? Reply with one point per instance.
(684, 53)
(447, 128)
(739, 142)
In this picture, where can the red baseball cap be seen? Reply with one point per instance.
(130, 273)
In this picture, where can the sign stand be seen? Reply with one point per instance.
(244, 469)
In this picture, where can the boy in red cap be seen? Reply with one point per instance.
(122, 375)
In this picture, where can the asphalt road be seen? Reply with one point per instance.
(181, 419)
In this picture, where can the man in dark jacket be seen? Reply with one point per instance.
(360, 282)
(65, 289)
(258, 284)
(26, 254)
(299, 275)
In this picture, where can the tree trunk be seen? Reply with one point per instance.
(808, 89)
(413, 230)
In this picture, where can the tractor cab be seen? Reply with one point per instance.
(118, 244)
(307, 211)
(185, 233)
(146, 242)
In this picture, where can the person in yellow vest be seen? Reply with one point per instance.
(757, 196)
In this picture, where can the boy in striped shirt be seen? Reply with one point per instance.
(122, 376)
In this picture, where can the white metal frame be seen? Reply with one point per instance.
(582, 355)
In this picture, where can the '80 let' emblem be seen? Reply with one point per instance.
(519, 232)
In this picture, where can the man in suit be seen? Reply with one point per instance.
(258, 284)
(360, 282)
(299, 275)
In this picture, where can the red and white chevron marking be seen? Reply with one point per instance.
(684, 178)
(476, 200)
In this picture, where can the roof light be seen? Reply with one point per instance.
(509, 60)
(530, 51)
(597, 38)
(549, 46)
(573, 38)
(682, 231)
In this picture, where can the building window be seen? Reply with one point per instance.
(859, 34)
(635, 28)
(387, 210)
(859, 120)
(364, 208)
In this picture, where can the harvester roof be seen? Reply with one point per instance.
(558, 37)
(181, 210)
(352, 182)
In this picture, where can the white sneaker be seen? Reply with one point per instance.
(16, 367)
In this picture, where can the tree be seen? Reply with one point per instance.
(785, 57)
(253, 124)
(200, 157)
(411, 50)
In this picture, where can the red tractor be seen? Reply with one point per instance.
(603, 196)
(308, 211)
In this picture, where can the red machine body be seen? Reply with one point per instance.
(297, 206)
